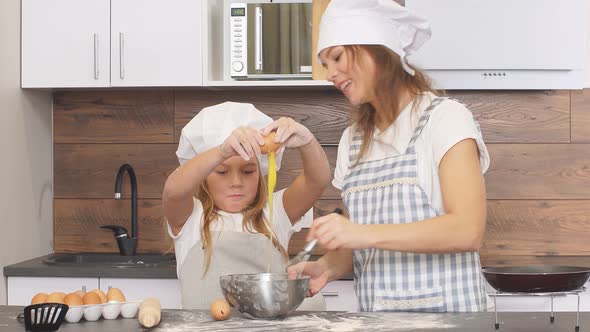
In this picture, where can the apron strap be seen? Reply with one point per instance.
(423, 121)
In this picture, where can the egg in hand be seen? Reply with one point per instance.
(269, 144)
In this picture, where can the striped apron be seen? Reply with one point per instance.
(386, 191)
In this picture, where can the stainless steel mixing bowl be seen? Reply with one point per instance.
(264, 295)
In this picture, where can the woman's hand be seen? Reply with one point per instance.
(289, 133)
(243, 141)
(315, 270)
(335, 231)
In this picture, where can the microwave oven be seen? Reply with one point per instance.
(270, 40)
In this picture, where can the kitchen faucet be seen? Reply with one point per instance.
(127, 244)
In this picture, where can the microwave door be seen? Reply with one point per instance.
(279, 41)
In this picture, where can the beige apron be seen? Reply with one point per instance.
(233, 253)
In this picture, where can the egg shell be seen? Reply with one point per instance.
(80, 293)
(39, 298)
(74, 314)
(73, 300)
(101, 294)
(92, 312)
(269, 143)
(115, 294)
(91, 298)
(55, 297)
(220, 310)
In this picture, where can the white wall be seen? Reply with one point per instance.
(26, 223)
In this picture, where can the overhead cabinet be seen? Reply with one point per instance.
(65, 43)
(102, 43)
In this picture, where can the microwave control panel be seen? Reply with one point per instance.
(238, 43)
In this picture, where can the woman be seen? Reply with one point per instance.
(410, 170)
(216, 202)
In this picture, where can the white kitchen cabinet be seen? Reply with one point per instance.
(65, 43)
(22, 289)
(135, 289)
(340, 296)
(102, 43)
(156, 43)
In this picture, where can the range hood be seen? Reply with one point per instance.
(504, 44)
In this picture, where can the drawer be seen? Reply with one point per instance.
(340, 296)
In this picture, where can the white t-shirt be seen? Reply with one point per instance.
(190, 233)
(450, 122)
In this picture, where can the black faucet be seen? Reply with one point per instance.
(127, 244)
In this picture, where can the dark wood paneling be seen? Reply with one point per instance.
(291, 166)
(537, 213)
(77, 222)
(514, 228)
(539, 171)
(537, 228)
(89, 170)
(325, 111)
(520, 116)
(581, 116)
(113, 117)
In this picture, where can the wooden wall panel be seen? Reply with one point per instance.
(324, 111)
(77, 222)
(538, 193)
(520, 116)
(581, 116)
(113, 117)
(89, 170)
(539, 171)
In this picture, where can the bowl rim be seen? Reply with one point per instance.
(260, 275)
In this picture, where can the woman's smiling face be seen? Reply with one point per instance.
(354, 76)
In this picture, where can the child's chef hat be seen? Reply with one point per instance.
(213, 124)
(373, 22)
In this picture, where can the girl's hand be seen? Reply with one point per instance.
(243, 141)
(290, 133)
(317, 272)
(335, 231)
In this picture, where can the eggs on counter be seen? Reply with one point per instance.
(220, 310)
(92, 305)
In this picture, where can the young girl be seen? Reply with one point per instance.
(216, 202)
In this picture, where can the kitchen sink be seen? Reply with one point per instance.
(110, 260)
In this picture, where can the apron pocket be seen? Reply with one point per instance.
(425, 299)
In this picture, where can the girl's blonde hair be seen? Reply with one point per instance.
(254, 220)
(390, 81)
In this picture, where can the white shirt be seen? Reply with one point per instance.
(190, 233)
(450, 122)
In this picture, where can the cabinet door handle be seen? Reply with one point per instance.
(335, 294)
(96, 72)
(121, 55)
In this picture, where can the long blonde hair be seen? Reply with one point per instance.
(390, 81)
(254, 220)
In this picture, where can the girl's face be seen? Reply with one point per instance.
(354, 78)
(233, 184)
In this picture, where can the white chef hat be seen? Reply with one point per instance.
(213, 124)
(373, 22)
